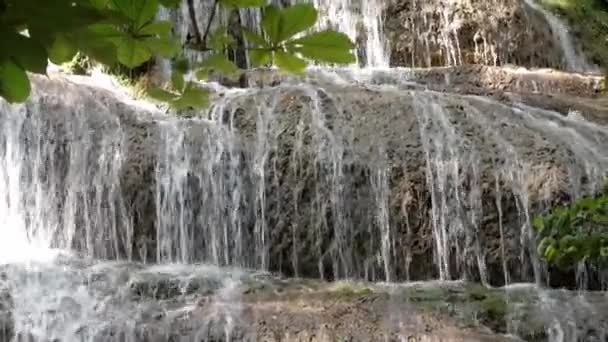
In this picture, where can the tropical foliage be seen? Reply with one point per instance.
(571, 234)
(126, 32)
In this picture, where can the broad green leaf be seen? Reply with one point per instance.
(132, 52)
(99, 4)
(325, 46)
(160, 28)
(103, 52)
(219, 39)
(181, 65)
(202, 74)
(161, 95)
(139, 11)
(295, 19)
(98, 33)
(164, 46)
(62, 50)
(193, 97)
(260, 58)
(255, 39)
(271, 22)
(29, 53)
(289, 62)
(14, 84)
(242, 3)
(177, 79)
(57, 15)
(219, 63)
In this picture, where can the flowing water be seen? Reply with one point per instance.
(575, 60)
(348, 174)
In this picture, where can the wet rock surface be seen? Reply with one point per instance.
(439, 33)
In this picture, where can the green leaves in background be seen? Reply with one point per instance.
(579, 232)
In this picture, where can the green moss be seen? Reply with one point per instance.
(349, 290)
(588, 20)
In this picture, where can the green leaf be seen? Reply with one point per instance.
(325, 46)
(181, 65)
(132, 52)
(161, 95)
(160, 28)
(99, 4)
(219, 39)
(29, 53)
(139, 12)
(255, 39)
(56, 15)
(62, 50)
(550, 253)
(289, 62)
(219, 63)
(542, 246)
(14, 84)
(538, 223)
(193, 97)
(164, 46)
(177, 79)
(260, 58)
(295, 19)
(103, 52)
(242, 3)
(271, 22)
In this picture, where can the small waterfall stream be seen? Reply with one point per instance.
(575, 61)
(123, 224)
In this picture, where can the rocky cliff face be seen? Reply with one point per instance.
(495, 32)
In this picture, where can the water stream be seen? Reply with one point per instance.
(575, 60)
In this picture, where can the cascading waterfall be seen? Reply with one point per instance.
(349, 174)
(60, 179)
(574, 60)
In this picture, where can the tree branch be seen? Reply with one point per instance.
(211, 17)
(192, 13)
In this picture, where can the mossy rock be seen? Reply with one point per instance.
(350, 290)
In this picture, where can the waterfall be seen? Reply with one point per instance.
(59, 177)
(122, 223)
(575, 61)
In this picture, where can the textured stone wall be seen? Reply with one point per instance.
(492, 32)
